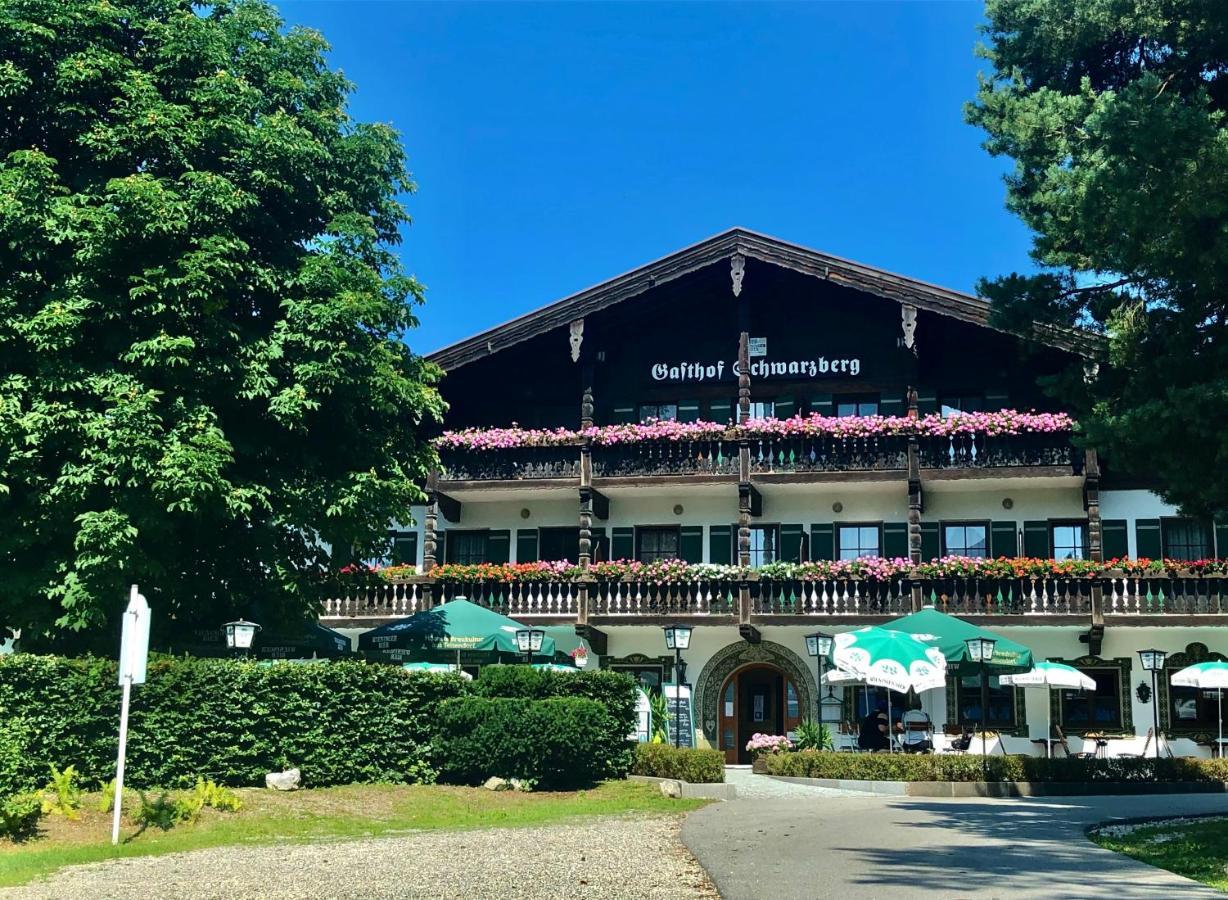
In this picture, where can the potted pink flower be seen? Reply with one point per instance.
(760, 746)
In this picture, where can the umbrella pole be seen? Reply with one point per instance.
(890, 730)
(1048, 722)
(1219, 745)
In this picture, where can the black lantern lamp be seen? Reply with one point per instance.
(239, 635)
(980, 650)
(678, 638)
(819, 646)
(1153, 662)
(529, 642)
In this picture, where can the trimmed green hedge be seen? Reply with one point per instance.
(557, 743)
(614, 691)
(339, 721)
(943, 767)
(696, 765)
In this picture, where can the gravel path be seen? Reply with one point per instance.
(625, 858)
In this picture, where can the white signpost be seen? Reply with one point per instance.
(133, 656)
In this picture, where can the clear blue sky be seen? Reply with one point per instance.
(557, 145)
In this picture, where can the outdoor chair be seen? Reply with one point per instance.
(961, 743)
(1146, 747)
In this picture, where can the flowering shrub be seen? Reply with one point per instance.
(763, 744)
(872, 568)
(560, 570)
(1005, 421)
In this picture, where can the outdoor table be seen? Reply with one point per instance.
(1217, 747)
(1102, 744)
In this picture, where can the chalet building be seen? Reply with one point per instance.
(743, 330)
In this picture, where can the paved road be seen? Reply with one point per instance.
(856, 848)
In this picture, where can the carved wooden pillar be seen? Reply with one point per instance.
(1091, 500)
(586, 396)
(744, 503)
(428, 534)
(586, 505)
(744, 376)
(915, 502)
(912, 402)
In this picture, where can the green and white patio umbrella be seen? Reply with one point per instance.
(455, 627)
(950, 634)
(1049, 675)
(1207, 676)
(554, 667)
(889, 659)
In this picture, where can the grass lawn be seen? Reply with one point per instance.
(1193, 848)
(352, 811)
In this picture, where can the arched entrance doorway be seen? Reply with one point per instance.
(759, 697)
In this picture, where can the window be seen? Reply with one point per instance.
(857, 405)
(856, 541)
(871, 699)
(1185, 539)
(763, 409)
(1069, 540)
(1001, 702)
(662, 412)
(1097, 709)
(404, 548)
(558, 543)
(764, 544)
(656, 543)
(465, 547)
(960, 403)
(649, 678)
(965, 539)
(1191, 707)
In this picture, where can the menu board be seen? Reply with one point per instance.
(681, 716)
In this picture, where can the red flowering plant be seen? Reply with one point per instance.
(455, 573)
(870, 568)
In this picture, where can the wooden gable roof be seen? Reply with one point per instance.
(752, 245)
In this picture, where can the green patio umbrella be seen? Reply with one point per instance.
(455, 627)
(1207, 676)
(554, 667)
(950, 635)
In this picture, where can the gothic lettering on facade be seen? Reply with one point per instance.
(819, 367)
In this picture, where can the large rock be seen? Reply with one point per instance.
(671, 788)
(494, 783)
(289, 780)
(519, 784)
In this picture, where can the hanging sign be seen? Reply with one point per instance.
(133, 656)
(757, 346)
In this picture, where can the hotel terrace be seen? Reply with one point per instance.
(781, 442)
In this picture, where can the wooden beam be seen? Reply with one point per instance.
(750, 634)
(755, 501)
(597, 639)
(449, 506)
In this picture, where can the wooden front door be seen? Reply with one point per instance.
(758, 698)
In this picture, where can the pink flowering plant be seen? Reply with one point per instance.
(1001, 422)
(763, 744)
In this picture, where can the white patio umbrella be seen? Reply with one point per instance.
(894, 660)
(1207, 676)
(1049, 675)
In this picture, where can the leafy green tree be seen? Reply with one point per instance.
(1114, 113)
(203, 378)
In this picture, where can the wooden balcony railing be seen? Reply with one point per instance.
(1151, 597)
(979, 450)
(509, 464)
(828, 454)
(715, 456)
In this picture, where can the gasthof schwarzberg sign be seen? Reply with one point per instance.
(820, 367)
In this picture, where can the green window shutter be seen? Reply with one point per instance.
(791, 543)
(895, 540)
(927, 402)
(823, 541)
(1036, 540)
(931, 545)
(526, 545)
(786, 407)
(1221, 540)
(720, 544)
(623, 544)
(1147, 542)
(691, 543)
(498, 546)
(623, 415)
(405, 548)
(891, 406)
(688, 410)
(1114, 538)
(822, 405)
(1004, 539)
(720, 410)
